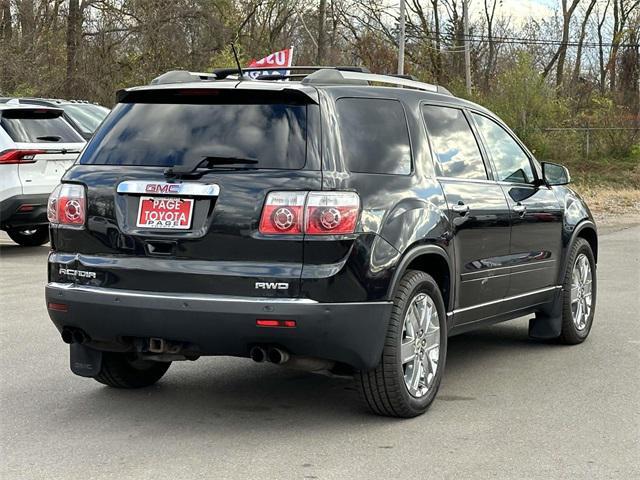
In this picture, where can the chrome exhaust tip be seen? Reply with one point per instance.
(277, 355)
(258, 354)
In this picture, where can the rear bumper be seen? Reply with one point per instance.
(351, 333)
(12, 217)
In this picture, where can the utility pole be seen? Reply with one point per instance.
(467, 51)
(401, 40)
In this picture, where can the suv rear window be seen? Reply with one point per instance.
(86, 116)
(168, 134)
(375, 138)
(38, 126)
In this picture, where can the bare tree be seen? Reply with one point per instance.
(583, 33)
(622, 9)
(602, 63)
(489, 13)
(322, 32)
(561, 53)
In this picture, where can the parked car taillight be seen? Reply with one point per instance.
(19, 156)
(314, 213)
(67, 205)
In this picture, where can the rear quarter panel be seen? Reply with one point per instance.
(398, 212)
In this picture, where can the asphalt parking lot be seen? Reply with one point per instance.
(508, 407)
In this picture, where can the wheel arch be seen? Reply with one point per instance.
(430, 259)
(586, 230)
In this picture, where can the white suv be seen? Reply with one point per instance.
(36, 147)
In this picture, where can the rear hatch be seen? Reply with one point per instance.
(149, 229)
(53, 145)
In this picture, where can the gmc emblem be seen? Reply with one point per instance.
(162, 188)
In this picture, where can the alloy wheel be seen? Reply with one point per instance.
(420, 350)
(581, 291)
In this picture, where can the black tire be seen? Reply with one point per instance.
(123, 370)
(383, 389)
(570, 334)
(30, 237)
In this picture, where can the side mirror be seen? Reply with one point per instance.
(555, 174)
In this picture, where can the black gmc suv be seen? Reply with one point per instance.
(332, 223)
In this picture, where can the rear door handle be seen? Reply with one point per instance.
(521, 209)
(460, 208)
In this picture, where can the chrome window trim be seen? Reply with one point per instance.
(188, 188)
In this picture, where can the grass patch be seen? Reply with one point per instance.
(609, 186)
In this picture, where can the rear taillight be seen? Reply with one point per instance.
(67, 205)
(331, 213)
(313, 213)
(283, 213)
(19, 156)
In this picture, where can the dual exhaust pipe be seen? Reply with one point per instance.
(271, 354)
(74, 335)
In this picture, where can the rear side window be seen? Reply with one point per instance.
(168, 134)
(375, 137)
(38, 126)
(453, 143)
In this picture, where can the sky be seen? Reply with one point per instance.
(519, 10)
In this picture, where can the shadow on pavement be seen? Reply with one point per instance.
(13, 250)
(242, 395)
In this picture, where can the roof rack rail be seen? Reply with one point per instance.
(221, 73)
(348, 77)
(182, 76)
(319, 75)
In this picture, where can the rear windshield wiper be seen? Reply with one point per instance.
(49, 138)
(190, 169)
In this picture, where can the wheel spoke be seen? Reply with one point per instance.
(407, 351)
(575, 290)
(584, 270)
(414, 319)
(433, 337)
(578, 315)
(587, 299)
(427, 311)
(431, 363)
(418, 369)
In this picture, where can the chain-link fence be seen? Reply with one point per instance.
(595, 141)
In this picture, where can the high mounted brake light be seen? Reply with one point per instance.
(313, 213)
(19, 156)
(67, 205)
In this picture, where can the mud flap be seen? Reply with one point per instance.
(548, 324)
(85, 361)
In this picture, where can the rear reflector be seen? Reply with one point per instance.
(19, 156)
(26, 208)
(276, 323)
(58, 307)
